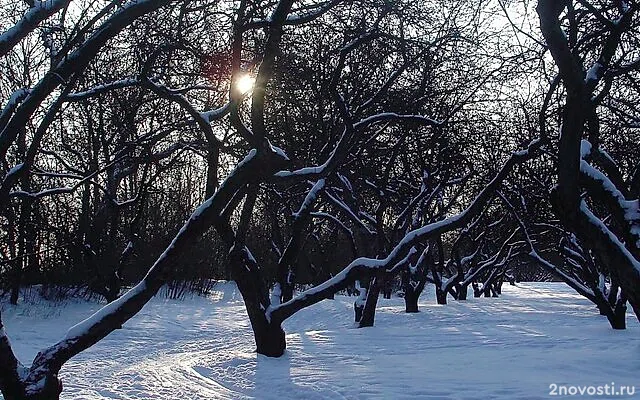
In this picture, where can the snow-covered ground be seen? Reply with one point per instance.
(512, 347)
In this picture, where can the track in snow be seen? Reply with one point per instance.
(511, 347)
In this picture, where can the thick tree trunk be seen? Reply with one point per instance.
(269, 335)
(619, 320)
(270, 338)
(498, 286)
(412, 289)
(10, 383)
(287, 292)
(579, 109)
(369, 311)
(616, 315)
(411, 301)
(49, 391)
(462, 292)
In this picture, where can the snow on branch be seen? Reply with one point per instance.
(113, 315)
(352, 216)
(415, 201)
(100, 89)
(73, 65)
(301, 220)
(405, 262)
(389, 116)
(364, 266)
(217, 113)
(299, 17)
(341, 150)
(568, 279)
(10, 368)
(303, 18)
(13, 102)
(348, 232)
(627, 212)
(602, 227)
(40, 11)
(310, 198)
(202, 119)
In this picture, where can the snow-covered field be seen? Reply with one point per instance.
(512, 347)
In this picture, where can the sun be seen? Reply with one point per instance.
(245, 83)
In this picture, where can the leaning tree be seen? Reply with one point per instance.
(594, 47)
(267, 149)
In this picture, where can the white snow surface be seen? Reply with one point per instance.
(512, 347)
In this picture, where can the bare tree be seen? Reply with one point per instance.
(588, 65)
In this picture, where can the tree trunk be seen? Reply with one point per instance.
(269, 335)
(477, 292)
(619, 320)
(615, 313)
(386, 287)
(411, 301)
(498, 286)
(287, 291)
(369, 311)
(358, 308)
(412, 290)
(441, 296)
(270, 338)
(358, 305)
(16, 282)
(213, 153)
(579, 109)
(50, 390)
(462, 292)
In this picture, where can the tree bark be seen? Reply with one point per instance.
(411, 301)
(369, 311)
(580, 110)
(357, 308)
(477, 292)
(441, 296)
(268, 334)
(462, 292)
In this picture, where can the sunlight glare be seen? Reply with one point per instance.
(245, 83)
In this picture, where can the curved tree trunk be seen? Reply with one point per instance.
(579, 117)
